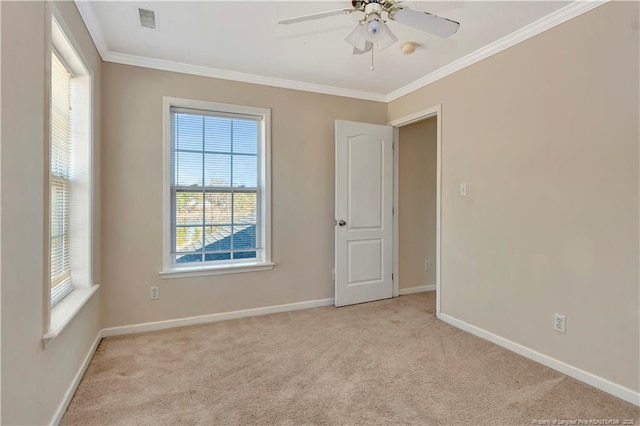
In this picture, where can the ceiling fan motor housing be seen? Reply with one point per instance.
(371, 8)
(362, 4)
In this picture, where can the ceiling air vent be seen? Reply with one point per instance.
(147, 18)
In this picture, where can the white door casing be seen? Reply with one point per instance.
(364, 203)
(434, 111)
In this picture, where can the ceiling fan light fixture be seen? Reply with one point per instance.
(374, 27)
(357, 38)
(368, 47)
(387, 39)
(372, 31)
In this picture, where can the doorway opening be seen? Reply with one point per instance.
(417, 203)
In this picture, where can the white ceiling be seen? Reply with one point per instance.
(232, 37)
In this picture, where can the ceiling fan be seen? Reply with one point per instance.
(372, 28)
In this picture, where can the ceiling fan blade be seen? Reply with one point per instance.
(425, 21)
(367, 48)
(313, 16)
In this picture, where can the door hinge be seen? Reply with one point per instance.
(391, 276)
(393, 211)
(393, 145)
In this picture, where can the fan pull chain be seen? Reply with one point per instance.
(372, 49)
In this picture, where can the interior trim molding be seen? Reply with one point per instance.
(558, 17)
(589, 378)
(543, 24)
(92, 23)
(73, 386)
(205, 319)
(163, 65)
(434, 111)
(162, 325)
(419, 289)
(578, 374)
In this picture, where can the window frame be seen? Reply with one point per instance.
(173, 270)
(81, 183)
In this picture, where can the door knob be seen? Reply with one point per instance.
(342, 223)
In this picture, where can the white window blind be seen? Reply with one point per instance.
(215, 187)
(60, 177)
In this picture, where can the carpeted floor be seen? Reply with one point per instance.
(388, 362)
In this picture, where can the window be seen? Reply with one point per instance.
(60, 170)
(217, 189)
(70, 177)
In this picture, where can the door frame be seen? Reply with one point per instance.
(434, 111)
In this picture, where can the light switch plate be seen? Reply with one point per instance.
(463, 189)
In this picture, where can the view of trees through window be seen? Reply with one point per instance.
(214, 188)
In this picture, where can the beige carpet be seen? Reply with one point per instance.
(388, 362)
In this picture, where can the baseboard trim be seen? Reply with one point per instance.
(419, 289)
(71, 390)
(591, 379)
(204, 319)
(162, 325)
(571, 371)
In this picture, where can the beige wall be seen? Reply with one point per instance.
(34, 380)
(302, 196)
(546, 136)
(417, 149)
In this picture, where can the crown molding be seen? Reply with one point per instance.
(164, 65)
(90, 19)
(92, 23)
(543, 24)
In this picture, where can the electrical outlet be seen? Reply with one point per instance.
(559, 323)
(154, 293)
(427, 265)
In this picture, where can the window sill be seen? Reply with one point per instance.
(201, 271)
(66, 310)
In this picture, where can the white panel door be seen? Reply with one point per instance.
(364, 202)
